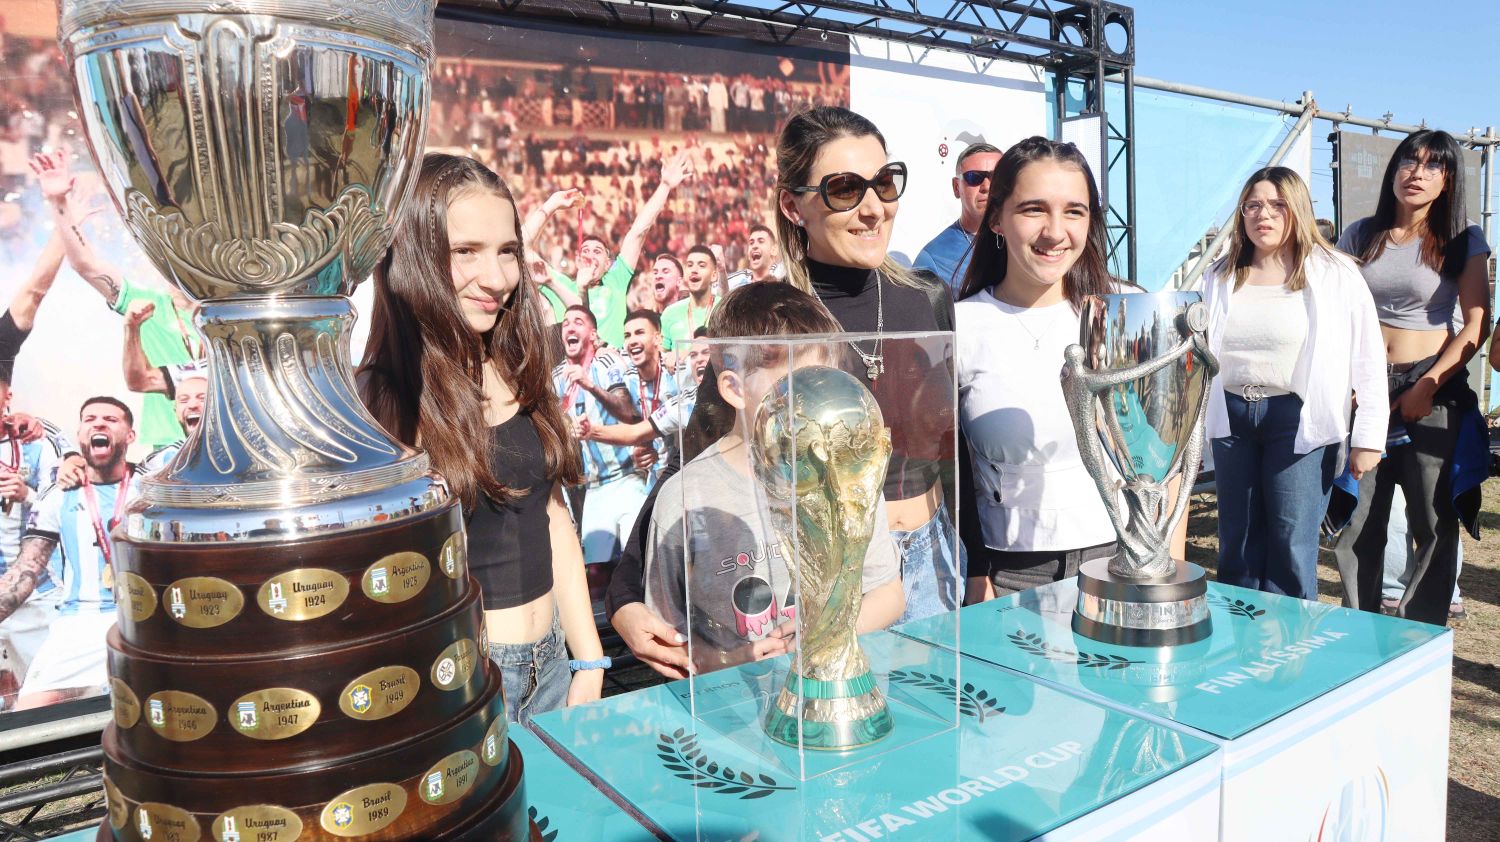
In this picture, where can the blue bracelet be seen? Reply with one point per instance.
(603, 663)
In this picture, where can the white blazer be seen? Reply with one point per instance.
(1343, 354)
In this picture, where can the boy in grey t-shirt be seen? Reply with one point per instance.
(710, 548)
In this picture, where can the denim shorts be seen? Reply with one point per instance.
(933, 567)
(534, 676)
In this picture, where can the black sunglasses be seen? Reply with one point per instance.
(843, 191)
(974, 178)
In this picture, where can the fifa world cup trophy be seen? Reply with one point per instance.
(1135, 386)
(300, 652)
(819, 447)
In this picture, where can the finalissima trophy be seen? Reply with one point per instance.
(1135, 387)
(300, 652)
(820, 447)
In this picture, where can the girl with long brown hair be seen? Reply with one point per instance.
(1039, 253)
(458, 362)
(1293, 327)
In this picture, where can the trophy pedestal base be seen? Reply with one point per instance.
(1167, 611)
(833, 715)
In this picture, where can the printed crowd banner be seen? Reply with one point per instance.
(553, 104)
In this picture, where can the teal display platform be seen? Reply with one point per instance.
(1024, 760)
(1338, 718)
(565, 805)
(1268, 654)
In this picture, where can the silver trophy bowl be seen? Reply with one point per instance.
(257, 150)
(1136, 385)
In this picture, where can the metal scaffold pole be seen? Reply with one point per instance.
(1309, 111)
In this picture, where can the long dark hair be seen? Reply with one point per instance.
(423, 372)
(1446, 218)
(1090, 275)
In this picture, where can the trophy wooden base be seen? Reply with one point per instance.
(504, 818)
(336, 711)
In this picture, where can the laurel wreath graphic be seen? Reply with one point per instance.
(973, 702)
(1034, 644)
(681, 755)
(541, 823)
(1239, 607)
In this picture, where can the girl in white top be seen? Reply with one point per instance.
(1294, 329)
(1039, 254)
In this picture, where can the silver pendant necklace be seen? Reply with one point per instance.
(1036, 338)
(875, 363)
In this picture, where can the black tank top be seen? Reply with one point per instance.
(510, 544)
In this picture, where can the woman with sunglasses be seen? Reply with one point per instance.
(837, 194)
(1421, 258)
(1293, 327)
(1039, 253)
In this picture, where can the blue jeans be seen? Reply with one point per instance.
(534, 676)
(1271, 500)
(933, 567)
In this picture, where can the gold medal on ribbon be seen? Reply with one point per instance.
(107, 578)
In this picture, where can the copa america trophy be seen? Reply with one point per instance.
(1135, 388)
(300, 652)
(820, 447)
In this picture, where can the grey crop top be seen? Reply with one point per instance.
(1407, 293)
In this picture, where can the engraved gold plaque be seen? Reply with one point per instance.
(495, 745)
(260, 823)
(202, 602)
(306, 593)
(140, 597)
(163, 821)
(454, 665)
(363, 810)
(454, 558)
(180, 717)
(119, 811)
(396, 578)
(127, 708)
(380, 693)
(450, 778)
(274, 714)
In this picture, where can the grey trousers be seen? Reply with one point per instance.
(1421, 469)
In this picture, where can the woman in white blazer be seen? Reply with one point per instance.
(1293, 326)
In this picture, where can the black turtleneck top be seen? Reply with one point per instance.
(915, 394)
(850, 296)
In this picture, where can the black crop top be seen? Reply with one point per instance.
(510, 544)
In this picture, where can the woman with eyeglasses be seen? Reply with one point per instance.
(837, 194)
(1425, 266)
(1293, 327)
(1039, 253)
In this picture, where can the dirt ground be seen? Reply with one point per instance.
(1474, 737)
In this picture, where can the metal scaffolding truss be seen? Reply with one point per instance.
(1085, 43)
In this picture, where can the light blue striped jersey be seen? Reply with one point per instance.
(601, 462)
(63, 516)
(39, 463)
